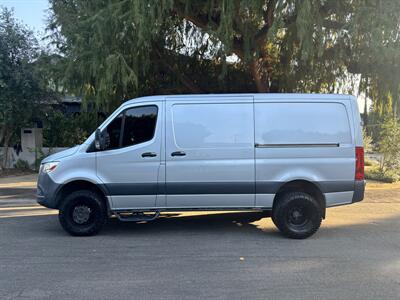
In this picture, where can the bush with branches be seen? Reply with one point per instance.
(389, 147)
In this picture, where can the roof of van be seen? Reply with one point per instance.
(257, 96)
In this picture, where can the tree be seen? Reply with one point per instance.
(112, 48)
(75, 129)
(22, 89)
(389, 146)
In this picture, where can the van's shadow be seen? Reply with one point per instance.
(178, 222)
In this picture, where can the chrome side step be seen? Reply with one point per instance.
(136, 216)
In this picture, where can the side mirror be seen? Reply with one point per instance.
(99, 142)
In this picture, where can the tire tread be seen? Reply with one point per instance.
(75, 230)
(278, 214)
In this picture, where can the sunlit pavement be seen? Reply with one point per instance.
(355, 254)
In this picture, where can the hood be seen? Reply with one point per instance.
(61, 154)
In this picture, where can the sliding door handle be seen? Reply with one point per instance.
(149, 154)
(178, 153)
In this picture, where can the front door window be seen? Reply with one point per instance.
(131, 127)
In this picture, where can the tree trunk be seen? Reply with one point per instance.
(260, 76)
(365, 115)
(5, 148)
(366, 112)
(396, 107)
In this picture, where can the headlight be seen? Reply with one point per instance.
(49, 167)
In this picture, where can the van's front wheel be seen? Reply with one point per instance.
(297, 215)
(82, 213)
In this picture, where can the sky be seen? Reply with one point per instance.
(30, 12)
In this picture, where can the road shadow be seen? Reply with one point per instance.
(177, 222)
(38, 220)
(237, 224)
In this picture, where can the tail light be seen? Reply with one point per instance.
(359, 174)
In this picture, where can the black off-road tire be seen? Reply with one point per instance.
(89, 201)
(297, 215)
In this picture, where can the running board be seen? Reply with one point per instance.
(137, 216)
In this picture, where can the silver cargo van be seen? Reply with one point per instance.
(290, 155)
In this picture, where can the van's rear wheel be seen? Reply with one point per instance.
(297, 215)
(82, 213)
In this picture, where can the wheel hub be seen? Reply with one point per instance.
(297, 216)
(81, 214)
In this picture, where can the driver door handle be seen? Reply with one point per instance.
(178, 153)
(149, 154)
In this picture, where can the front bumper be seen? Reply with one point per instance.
(359, 189)
(46, 194)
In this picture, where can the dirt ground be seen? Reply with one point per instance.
(382, 192)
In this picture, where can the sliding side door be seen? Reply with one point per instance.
(210, 152)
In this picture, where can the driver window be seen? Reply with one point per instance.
(137, 125)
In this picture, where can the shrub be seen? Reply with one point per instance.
(378, 175)
(368, 146)
(388, 169)
(389, 146)
(22, 165)
(62, 131)
(370, 162)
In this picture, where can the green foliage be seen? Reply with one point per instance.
(116, 49)
(375, 119)
(375, 51)
(389, 146)
(22, 165)
(22, 88)
(108, 58)
(370, 162)
(368, 146)
(62, 131)
(378, 175)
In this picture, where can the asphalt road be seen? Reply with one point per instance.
(355, 255)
